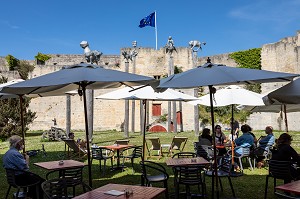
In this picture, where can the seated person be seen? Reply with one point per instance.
(246, 140)
(220, 136)
(284, 152)
(263, 146)
(232, 136)
(13, 159)
(220, 139)
(80, 142)
(205, 138)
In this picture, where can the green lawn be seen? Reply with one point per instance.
(250, 185)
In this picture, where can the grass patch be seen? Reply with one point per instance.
(250, 185)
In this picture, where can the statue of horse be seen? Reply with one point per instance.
(91, 56)
(196, 45)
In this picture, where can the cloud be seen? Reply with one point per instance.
(7, 24)
(281, 11)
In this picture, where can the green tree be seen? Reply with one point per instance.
(12, 62)
(24, 67)
(10, 115)
(41, 58)
(249, 59)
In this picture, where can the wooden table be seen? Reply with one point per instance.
(54, 165)
(173, 162)
(222, 146)
(138, 192)
(293, 187)
(117, 147)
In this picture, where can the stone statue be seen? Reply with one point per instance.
(170, 46)
(91, 56)
(129, 55)
(196, 45)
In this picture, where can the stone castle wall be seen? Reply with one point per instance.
(280, 56)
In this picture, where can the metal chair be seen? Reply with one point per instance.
(73, 178)
(104, 154)
(189, 176)
(224, 170)
(205, 151)
(122, 142)
(136, 152)
(264, 152)
(184, 155)
(245, 154)
(11, 180)
(55, 188)
(279, 170)
(153, 172)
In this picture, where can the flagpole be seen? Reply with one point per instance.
(155, 31)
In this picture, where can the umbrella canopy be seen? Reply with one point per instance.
(288, 94)
(81, 77)
(8, 95)
(212, 74)
(216, 74)
(145, 93)
(75, 77)
(231, 95)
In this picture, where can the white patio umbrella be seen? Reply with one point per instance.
(211, 74)
(231, 95)
(145, 93)
(79, 77)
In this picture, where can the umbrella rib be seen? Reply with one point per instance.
(34, 90)
(126, 85)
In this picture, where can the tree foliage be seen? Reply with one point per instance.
(10, 115)
(12, 62)
(24, 68)
(42, 57)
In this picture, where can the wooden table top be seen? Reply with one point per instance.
(54, 165)
(293, 187)
(186, 161)
(117, 146)
(138, 192)
(220, 146)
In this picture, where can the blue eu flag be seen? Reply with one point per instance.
(148, 21)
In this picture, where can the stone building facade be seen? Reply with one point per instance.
(280, 56)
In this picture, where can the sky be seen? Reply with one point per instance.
(58, 26)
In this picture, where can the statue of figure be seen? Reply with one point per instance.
(91, 56)
(170, 46)
(196, 45)
(129, 55)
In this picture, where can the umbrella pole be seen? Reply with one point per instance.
(232, 143)
(144, 129)
(285, 119)
(215, 169)
(22, 121)
(87, 134)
